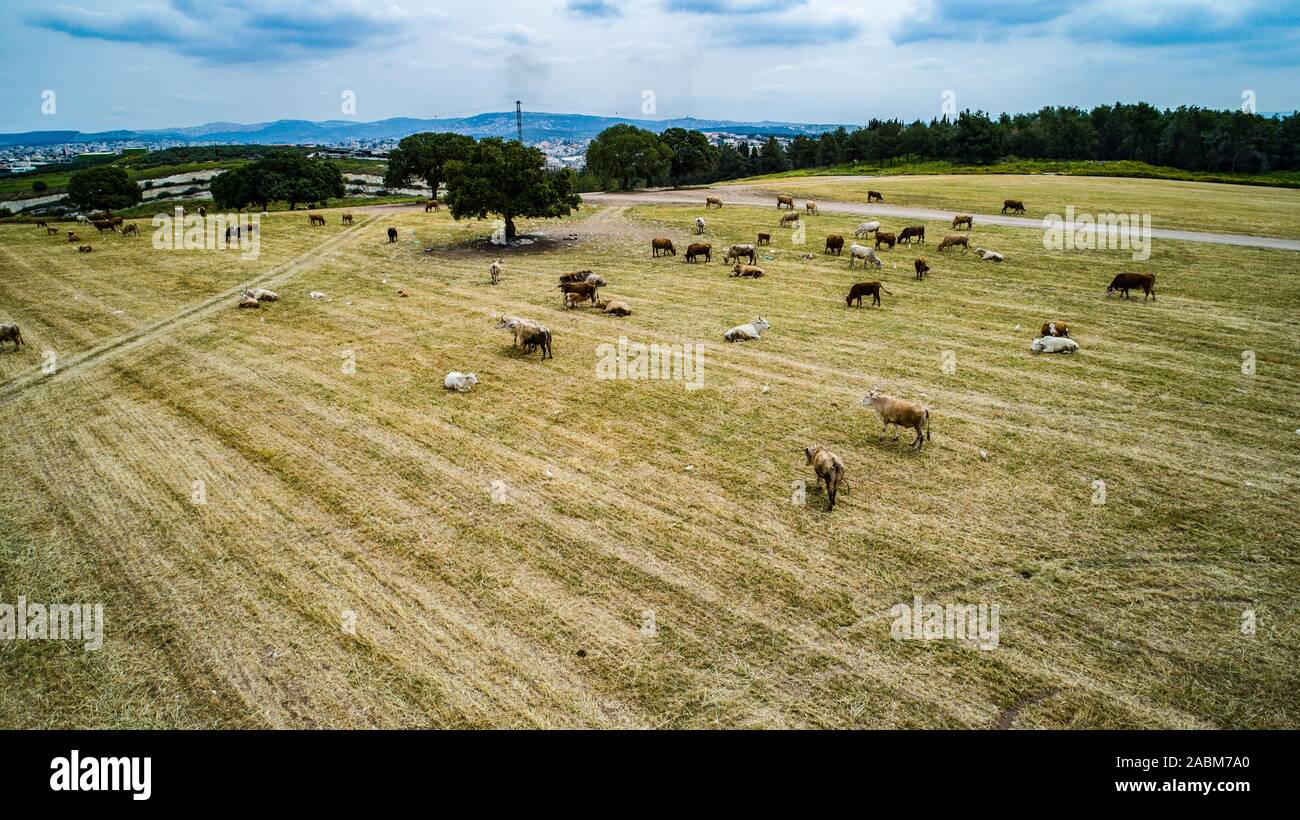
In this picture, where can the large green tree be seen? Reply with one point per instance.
(624, 152)
(102, 188)
(772, 158)
(280, 176)
(425, 156)
(509, 179)
(694, 157)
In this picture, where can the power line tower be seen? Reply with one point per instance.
(519, 120)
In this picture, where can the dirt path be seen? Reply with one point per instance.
(756, 195)
(192, 313)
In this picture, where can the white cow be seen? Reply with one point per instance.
(261, 295)
(988, 256)
(460, 382)
(746, 332)
(495, 270)
(699, 224)
(1054, 344)
(866, 228)
(864, 253)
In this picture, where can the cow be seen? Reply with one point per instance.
(764, 239)
(51, 231)
(989, 256)
(738, 252)
(1013, 205)
(580, 290)
(789, 219)
(747, 332)
(130, 228)
(916, 232)
(829, 469)
(1055, 329)
(748, 271)
(861, 289)
(811, 207)
(699, 225)
(834, 243)
(885, 238)
(431, 205)
(963, 219)
(659, 246)
(783, 201)
(203, 211)
(392, 235)
(1123, 282)
(315, 219)
(41, 223)
(347, 219)
(9, 332)
(1054, 344)
(698, 249)
(874, 196)
(921, 269)
(953, 240)
(712, 201)
(84, 249)
(864, 253)
(494, 270)
(865, 228)
(102, 225)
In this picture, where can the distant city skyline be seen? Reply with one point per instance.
(94, 65)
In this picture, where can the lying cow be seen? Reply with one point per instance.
(9, 332)
(748, 271)
(989, 256)
(1055, 329)
(747, 332)
(1054, 344)
(460, 382)
(864, 253)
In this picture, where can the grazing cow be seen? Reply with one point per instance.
(764, 239)
(789, 219)
(698, 249)
(1013, 205)
(9, 332)
(710, 202)
(834, 243)
(921, 269)
(900, 413)
(41, 223)
(865, 228)
(783, 201)
(347, 219)
(748, 271)
(102, 225)
(583, 291)
(915, 232)
(864, 253)
(861, 289)
(84, 249)
(699, 225)
(811, 207)
(130, 228)
(963, 219)
(315, 219)
(738, 252)
(460, 382)
(1123, 282)
(1054, 344)
(431, 205)
(885, 238)
(1055, 329)
(953, 240)
(829, 468)
(392, 235)
(495, 270)
(51, 231)
(747, 332)
(529, 335)
(874, 196)
(660, 246)
(989, 256)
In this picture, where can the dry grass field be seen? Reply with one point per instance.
(505, 551)
(1195, 206)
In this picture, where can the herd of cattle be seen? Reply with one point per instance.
(583, 287)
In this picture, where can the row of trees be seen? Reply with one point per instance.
(1192, 139)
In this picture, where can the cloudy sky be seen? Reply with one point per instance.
(158, 63)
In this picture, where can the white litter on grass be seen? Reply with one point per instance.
(984, 454)
(766, 389)
(385, 282)
(549, 474)
(1017, 328)
(690, 467)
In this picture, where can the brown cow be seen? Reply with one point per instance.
(861, 289)
(811, 207)
(963, 219)
(582, 290)
(659, 246)
(203, 211)
(130, 228)
(1013, 205)
(72, 237)
(874, 196)
(711, 201)
(575, 276)
(431, 205)
(921, 268)
(746, 270)
(1123, 282)
(697, 249)
(765, 239)
(392, 234)
(315, 219)
(102, 225)
(1055, 329)
(786, 201)
(84, 249)
(887, 238)
(914, 232)
(953, 240)
(835, 243)
(41, 223)
(9, 332)
(51, 231)
(347, 219)
(789, 219)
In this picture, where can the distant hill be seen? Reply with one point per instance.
(537, 127)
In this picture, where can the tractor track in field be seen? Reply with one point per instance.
(79, 362)
(763, 196)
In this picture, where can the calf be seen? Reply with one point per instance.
(1124, 282)
(9, 332)
(899, 413)
(834, 243)
(885, 238)
(746, 270)
(861, 289)
(659, 246)
(829, 468)
(51, 231)
(764, 239)
(915, 232)
(864, 253)
(963, 219)
(582, 290)
(1055, 329)
(1013, 205)
(953, 240)
(698, 249)
(921, 269)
